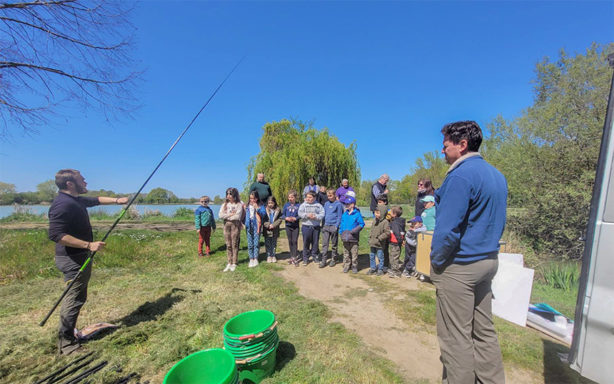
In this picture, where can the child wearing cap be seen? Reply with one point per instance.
(204, 222)
(349, 229)
(428, 216)
(411, 241)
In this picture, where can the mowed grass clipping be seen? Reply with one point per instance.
(168, 303)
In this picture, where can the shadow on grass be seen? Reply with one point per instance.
(285, 354)
(152, 310)
(556, 367)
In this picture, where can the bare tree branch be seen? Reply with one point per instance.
(64, 52)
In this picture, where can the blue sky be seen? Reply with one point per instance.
(386, 75)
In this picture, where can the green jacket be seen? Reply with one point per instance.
(203, 217)
(380, 231)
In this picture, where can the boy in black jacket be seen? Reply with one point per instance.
(397, 234)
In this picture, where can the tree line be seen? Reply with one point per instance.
(47, 190)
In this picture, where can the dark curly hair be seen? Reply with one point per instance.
(464, 130)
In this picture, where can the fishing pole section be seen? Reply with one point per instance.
(125, 209)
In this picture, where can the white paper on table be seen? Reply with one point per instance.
(511, 289)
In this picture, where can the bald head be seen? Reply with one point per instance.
(260, 177)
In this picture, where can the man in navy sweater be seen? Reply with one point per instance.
(471, 208)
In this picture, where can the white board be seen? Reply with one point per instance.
(511, 290)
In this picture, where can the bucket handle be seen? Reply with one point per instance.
(246, 337)
(250, 359)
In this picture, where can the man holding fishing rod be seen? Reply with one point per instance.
(70, 229)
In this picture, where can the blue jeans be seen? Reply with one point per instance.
(253, 243)
(380, 256)
(270, 243)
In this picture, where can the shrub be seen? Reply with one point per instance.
(183, 212)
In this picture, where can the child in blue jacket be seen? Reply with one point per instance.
(349, 229)
(204, 221)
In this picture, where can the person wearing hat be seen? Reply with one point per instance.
(349, 230)
(429, 213)
(471, 210)
(411, 242)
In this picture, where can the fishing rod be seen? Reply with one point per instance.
(62, 369)
(125, 209)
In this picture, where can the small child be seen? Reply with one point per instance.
(312, 214)
(270, 228)
(411, 241)
(253, 224)
(349, 229)
(428, 216)
(397, 233)
(322, 196)
(290, 216)
(382, 200)
(333, 210)
(380, 233)
(204, 222)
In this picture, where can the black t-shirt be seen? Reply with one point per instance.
(68, 216)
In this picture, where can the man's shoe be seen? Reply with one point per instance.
(322, 264)
(227, 268)
(346, 269)
(371, 271)
(354, 270)
(380, 272)
(332, 263)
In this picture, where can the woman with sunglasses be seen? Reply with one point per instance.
(425, 188)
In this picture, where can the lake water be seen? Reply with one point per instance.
(165, 209)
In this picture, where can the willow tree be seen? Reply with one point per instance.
(291, 152)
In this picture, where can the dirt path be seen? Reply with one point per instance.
(358, 306)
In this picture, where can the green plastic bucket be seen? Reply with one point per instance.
(211, 366)
(260, 368)
(249, 323)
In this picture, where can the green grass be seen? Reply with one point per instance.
(169, 304)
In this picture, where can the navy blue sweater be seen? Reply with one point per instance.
(471, 207)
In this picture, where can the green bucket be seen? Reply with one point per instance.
(257, 370)
(248, 324)
(211, 366)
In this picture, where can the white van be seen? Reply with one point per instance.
(592, 349)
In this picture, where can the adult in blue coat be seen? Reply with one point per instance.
(471, 208)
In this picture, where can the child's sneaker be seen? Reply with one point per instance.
(200, 254)
(273, 259)
(406, 274)
(371, 271)
(332, 263)
(305, 262)
(255, 262)
(322, 264)
(251, 263)
(355, 270)
(227, 268)
(346, 269)
(380, 272)
(268, 259)
(233, 267)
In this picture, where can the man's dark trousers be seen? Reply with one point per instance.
(74, 299)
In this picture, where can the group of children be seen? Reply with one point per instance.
(336, 217)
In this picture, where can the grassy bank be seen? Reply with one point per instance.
(169, 303)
